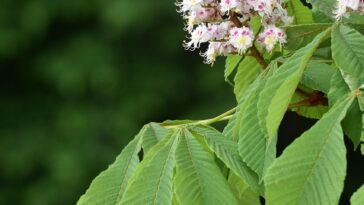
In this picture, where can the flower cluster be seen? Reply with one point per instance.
(343, 7)
(226, 25)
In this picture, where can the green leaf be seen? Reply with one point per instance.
(232, 61)
(299, 36)
(278, 91)
(358, 197)
(325, 6)
(352, 123)
(198, 179)
(231, 131)
(242, 191)
(313, 112)
(312, 169)
(362, 149)
(317, 76)
(109, 187)
(152, 135)
(151, 184)
(248, 71)
(348, 53)
(253, 143)
(301, 13)
(227, 151)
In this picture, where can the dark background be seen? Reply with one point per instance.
(78, 79)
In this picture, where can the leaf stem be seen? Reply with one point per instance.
(223, 117)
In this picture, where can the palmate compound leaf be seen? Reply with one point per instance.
(109, 187)
(358, 197)
(301, 13)
(248, 71)
(198, 179)
(151, 183)
(348, 54)
(312, 169)
(227, 151)
(279, 89)
(353, 122)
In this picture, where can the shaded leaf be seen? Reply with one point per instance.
(317, 76)
(242, 191)
(313, 112)
(300, 35)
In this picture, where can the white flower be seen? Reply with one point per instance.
(199, 35)
(201, 15)
(217, 49)
(187, 5)
(343, 6)
(227, 5)
(241, 38)
(271, 36)
(264, 7)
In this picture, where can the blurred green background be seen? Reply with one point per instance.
(79, 79)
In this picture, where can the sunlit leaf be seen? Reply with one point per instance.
(312, 169)
(152, 181)
(348, 53)
(301, 13)
(358, 197)
(278, 91)
(248, 71)
(198, 179)
(227, 151)
(109, 187)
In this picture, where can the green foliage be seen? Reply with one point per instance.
(198, 179)
(153, 177)
(318, 74)
(308, 172)
(301, 14)
(248, 70)
(232, 62)
(348, 53)
(299, 36)
(279, 89)
(109, 187)
(358, 197)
